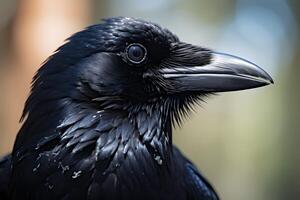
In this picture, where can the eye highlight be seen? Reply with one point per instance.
(136, 53)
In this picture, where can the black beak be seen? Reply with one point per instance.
(223, 72)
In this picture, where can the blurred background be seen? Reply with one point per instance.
(246, 143)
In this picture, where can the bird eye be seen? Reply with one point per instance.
(136, 53)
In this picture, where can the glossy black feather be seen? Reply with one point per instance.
(98, 127)
(5, 173)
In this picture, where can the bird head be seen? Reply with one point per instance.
(125, 61)
(124, 78)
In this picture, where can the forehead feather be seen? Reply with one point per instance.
(134, 30)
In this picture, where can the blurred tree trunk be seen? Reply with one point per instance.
(38, 28)
(289, 166)
(288, 182)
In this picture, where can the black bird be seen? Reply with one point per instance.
(98, 122)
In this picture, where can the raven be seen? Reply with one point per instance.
(98, 122)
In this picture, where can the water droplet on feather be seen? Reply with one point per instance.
(76, 174)
(158, 160)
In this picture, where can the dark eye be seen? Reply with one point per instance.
(136, 53)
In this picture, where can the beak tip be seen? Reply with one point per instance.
(264, 80)
(268, 79)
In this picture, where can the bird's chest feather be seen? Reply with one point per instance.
(102, 156)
